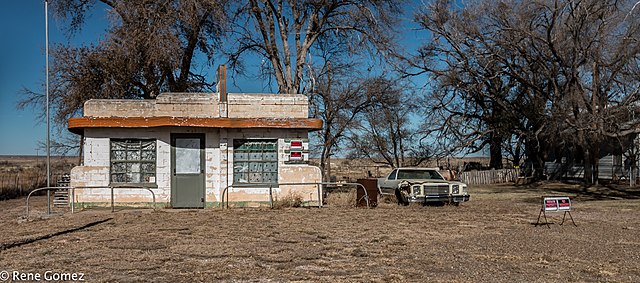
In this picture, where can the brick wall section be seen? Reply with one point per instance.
(202, 105)
(119, 108)
(268, 106)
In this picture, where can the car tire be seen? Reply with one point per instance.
(402, 199)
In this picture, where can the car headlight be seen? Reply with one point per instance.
(415, 190)
(455, 189)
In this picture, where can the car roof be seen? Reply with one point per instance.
(418, 168)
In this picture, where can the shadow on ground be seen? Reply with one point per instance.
(581, 191)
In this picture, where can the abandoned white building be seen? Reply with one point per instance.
(189, 147)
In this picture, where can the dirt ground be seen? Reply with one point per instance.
(489, 239)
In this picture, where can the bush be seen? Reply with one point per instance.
(341, 199)
(290, 200)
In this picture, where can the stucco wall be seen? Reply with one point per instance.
(218, 166)
(218, 145)
(202, 105)
(287, 173)
(242, 105)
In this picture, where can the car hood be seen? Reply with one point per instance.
(434, 181)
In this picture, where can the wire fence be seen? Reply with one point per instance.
(16, 185)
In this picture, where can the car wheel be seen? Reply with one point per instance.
(402, 199)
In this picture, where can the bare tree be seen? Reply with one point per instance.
(339, 103)
(150, 47)
(384, 134)
(283, 32)
(553, 73)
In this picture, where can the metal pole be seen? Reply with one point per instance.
(73, 197)
(271, 196)
(112, 207)
(319, 195)
(46, 36)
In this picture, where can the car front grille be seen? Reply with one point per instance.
(435, 189)
(429, 189)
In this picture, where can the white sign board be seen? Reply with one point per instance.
(556, 203)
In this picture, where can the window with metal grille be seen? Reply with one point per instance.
(133, 161)
(255, 161)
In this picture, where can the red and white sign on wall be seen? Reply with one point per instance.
(295, 156)
(297, 151)
(296, 145)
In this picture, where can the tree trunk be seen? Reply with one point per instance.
(495, 151)
(596, 163)
(327, 168)
(588, 167)
(535, 155)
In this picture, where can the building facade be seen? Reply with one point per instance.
(189, 147)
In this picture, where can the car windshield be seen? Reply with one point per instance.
(419, 174)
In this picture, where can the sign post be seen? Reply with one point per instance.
(555, 204)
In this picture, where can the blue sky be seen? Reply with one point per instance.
(22, 64)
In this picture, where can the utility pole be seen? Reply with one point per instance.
(46, 39)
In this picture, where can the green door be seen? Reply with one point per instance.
(187, 166)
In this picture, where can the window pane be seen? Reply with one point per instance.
(133, 177)
(148, 168)
(270, 177)
(119, 155)
(118, 145)
(118, 167)
(255, 161)
(255, 167)
(187, 156)
(133, 155)
(240, 167)
(148, 155)
(149, 145)
(255, 178)
(133, 167)
(271, 156)
(255, 155)
(240, 177)
(270, 167)
(240, 156)
(132, 161)
(118, 178)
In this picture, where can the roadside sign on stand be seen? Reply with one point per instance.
(555, 204)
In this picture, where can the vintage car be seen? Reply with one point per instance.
(422, 185)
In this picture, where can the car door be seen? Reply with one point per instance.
(389, 184)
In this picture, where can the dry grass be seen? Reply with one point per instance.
(290, 200)
(341, 199)
(19, 175)
(489, 239)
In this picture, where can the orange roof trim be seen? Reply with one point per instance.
(77, 125)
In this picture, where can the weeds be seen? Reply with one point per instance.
(290, 200)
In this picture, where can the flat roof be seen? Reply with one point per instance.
(77, 125)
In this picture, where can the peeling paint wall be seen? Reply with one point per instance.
(202, 105)
(268, 106)
(287, 173)
(218, 146)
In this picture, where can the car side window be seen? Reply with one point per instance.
(392, 175)
(436, 176)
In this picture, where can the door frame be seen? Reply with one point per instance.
(203, 171)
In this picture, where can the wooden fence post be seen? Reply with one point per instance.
(18, 187)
